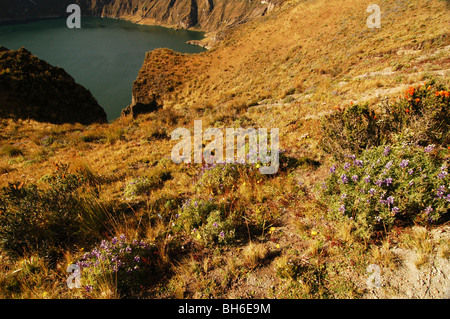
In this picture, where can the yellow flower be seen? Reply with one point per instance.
(199, 236)
(258, 166)
(313, 233)
(278, 245)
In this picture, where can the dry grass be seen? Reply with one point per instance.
(284, 71)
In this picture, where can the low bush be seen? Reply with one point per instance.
(206, 222)
(388, 185)
(127, 265)
(420, 117)
(145, 184)
(46, 220)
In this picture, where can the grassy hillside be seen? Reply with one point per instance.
(310, 68)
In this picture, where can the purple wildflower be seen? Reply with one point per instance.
(347, 166)
(333, 169)
(344, 178)
(440, 191)
(137, 259)
(442, 174)
(355, 178)
(429, 148)
(359, 163)
(367, 179)
(395, 210)
(388, 181)
(88, 288)
(411, 171)
(389, 165)
(411, 183)
(390, 200)
(404, 163)
(379, 182)
(372, 191)
(215, 225)
(386, 151)
(342, 209)
(428, 210)
(222, 234)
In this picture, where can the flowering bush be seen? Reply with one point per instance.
(206, 222)
(130, 263)
(389, 184)
(420, 116)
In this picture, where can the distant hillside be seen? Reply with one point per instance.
(207, 15)
(33, 89)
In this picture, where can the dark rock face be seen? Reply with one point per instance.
(141, 108)
(31, 88)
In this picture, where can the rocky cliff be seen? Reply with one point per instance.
(207, 15)
(33, 89)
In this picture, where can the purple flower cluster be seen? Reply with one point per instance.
(404, 163)
(429, 148)
(115, 255)
(395, 179)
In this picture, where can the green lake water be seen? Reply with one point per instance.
(104, 56)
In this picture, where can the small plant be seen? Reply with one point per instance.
(253, 254)
(144, 185)
(129, 265)
(206, 222)
(420, 116)
(11, 151)
(45, 220)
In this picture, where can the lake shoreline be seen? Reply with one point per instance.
(104, 56)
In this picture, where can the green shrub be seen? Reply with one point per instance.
(46, 220)
(130, 265)
(143, 185)
(399, 183)
(350, 131)
(206, 222)
(421, 117)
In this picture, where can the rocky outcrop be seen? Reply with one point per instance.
(207, 15)
(31, 88)
(162, 72)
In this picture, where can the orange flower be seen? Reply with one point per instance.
(429, 87)
(443, 93)
(407, 111)
(410, 91)
(417, 100)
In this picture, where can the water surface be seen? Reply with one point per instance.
(104, 56)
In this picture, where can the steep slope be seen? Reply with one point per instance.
(206, 15)
(318, 50)
(33, 89)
